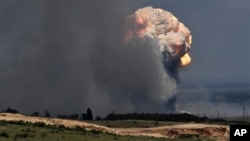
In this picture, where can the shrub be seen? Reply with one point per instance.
(43, 135)
(61, 127)
(20, 122)
(4, 134)
(35, 114)
(98, 118)
(28, 130)
(3, 123)
(95, 132)
(10, 110)
(185, 136)
(39, 124)
(21, 135)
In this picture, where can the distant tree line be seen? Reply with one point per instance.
(85, 116)
(128, 116)
(157, 117)
(10, 110)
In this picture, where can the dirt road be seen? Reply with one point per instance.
(173, 131)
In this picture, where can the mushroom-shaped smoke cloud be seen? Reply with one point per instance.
(171, 39)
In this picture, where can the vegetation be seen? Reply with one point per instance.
(133, 123)
(157, 117)
(88, 116)
(23, 131)
(35, 114)
(47, 113)
(40, 131)
(10, 110)
(75, 116)
(4, 134)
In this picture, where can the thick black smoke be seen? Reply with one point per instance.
(65, 56)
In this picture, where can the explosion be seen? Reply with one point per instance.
(171, 40)
(173, 37)
(79, 56)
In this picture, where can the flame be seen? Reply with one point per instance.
(172, 35)
(185, 60)
(141, 25)
(138, 28)
(189, 40)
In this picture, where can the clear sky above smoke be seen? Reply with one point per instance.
(64, 55)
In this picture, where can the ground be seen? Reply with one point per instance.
(181, 130)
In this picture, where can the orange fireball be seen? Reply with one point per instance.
(172, 35)
(185, 60)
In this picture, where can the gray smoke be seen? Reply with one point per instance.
(65, 56)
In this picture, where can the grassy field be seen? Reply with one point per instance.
(20, 131)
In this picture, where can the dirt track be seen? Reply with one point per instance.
(204, 130)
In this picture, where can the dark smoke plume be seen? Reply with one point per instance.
(65, 56)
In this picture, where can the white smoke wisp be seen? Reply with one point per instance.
(172, 43)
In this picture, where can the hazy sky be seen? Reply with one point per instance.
(67, 55)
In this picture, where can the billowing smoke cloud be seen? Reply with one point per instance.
(171, 45)
(172, 37)
(65, 56)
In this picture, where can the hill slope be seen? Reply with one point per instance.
(173, 131)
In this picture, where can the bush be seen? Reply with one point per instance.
(4, 134)
(43, 135)
(28, 130)
(21, 135)
(39, 124)
(185, 136)
(20, 122)
(54, 131)
(35, 114)
(3, 123)
(62, 127)
(98, 118)
(10, 110)
(95, 132)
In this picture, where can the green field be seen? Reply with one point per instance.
(20, 131)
